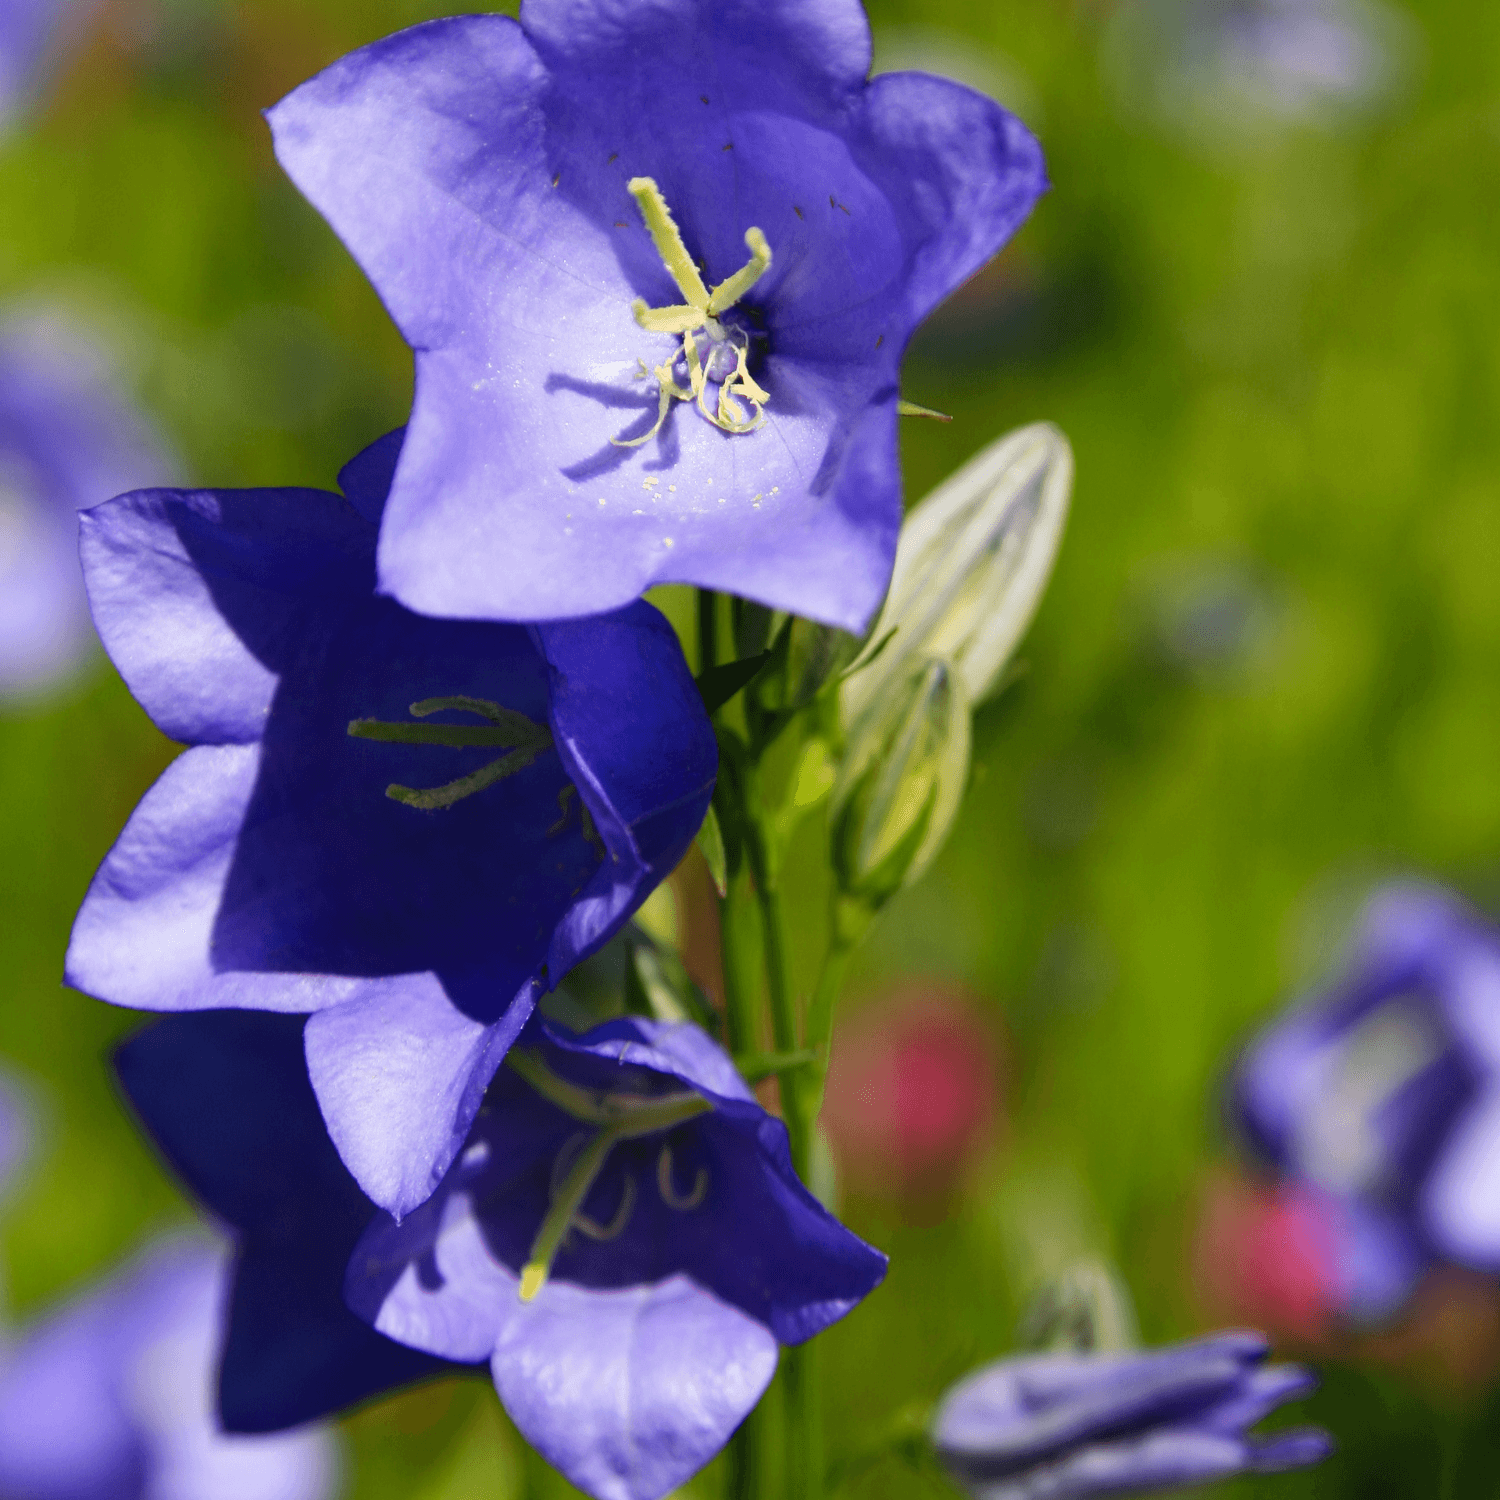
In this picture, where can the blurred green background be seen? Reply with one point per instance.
(1264, 675)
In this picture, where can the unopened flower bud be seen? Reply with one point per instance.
(900, 786)
(971, 564)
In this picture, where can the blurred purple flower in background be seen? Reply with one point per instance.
(1247, 63)
(31, 34)
(68, 440)
(299, 856)
(1379, 1098)
(1061, 1426)
(111, 1397)
(672, 1243)
(659, 264)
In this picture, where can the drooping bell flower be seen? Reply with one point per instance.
(659, 263)
(111, 1397)
(1065, 1426)
(623, 1240)
(407, 827)
(68, 439)
(1378, 1098)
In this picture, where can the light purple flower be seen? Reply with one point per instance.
(1066, 1426)
(496, 180)
(68, 440)
(111, 1397)
(1380, 1097)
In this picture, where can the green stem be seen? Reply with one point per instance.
(804, 1422)
(784, 1021)
(819, 1037)
(708, 630)
(741, 971)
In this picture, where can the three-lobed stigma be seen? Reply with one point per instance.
(712, 350)
(503, 729)
(615, 1117)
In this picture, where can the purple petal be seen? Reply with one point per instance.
(629, 724)
(629, 1393)
(1461, 1199)
(1295, 1449)
(202, 598)
(399, 1074)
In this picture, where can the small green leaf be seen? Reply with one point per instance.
(755, 1066)
(719, 684)
(711, 842)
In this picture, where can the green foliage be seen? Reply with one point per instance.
(1278, 362)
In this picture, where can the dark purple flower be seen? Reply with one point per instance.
(67, 440)
(1380, 1097)
(408, 827)
(632, 1163)
(617, 402)
(1064, 1426)
(111, 1397)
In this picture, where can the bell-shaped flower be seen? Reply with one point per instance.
(68, 439)
(111, 1397)
(659, 263)
(972, 563)
(623, 1240)
(408, 827)
(1378, 1098)
(1066, 1426)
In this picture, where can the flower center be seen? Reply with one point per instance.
(504, 729)
(713, 350)
(618, 1117)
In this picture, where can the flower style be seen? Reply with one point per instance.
(659, 263)
(111, 1398)
(1064, 1426)
(623, 1240)
(407, 827)
(67, 440)
(1378, 1100)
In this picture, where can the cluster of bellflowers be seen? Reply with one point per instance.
(658, 264)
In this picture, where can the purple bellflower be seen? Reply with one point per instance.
(67, 440)
(1380, 1097)
(407, 827)
(623, 1240)
(111, 1398)
(1065, 1426)
(658, 262)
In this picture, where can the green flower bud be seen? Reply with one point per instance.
(901, 782)
(971, 564)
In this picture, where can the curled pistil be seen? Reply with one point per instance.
(740, 403)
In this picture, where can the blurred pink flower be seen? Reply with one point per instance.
(913, 1092)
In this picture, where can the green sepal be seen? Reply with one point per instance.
(719, 684)
(711, 842)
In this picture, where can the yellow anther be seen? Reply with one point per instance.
(668, 239)
(533, 1279)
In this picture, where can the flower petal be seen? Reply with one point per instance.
(400, 1073)
(628, 1393)
(202, 597)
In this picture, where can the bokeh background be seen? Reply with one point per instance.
(1263, 301)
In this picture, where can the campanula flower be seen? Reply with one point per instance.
(1379, 1098)
(68, 439)
(1064, 1426)
(626, 1242)
(407, 827)
(111, 1397)
(659, 263)
(623, 1240)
